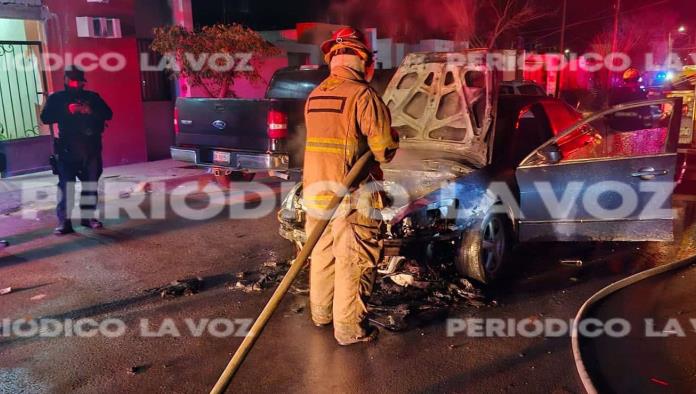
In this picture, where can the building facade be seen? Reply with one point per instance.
(39, 37)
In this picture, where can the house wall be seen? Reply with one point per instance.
(124, 139)
(386, 53)
(158, 115)
(21, 9)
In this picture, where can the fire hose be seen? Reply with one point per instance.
(587, 382)
(255, 332)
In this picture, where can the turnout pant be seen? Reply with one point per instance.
(343, 268)
(88, 171)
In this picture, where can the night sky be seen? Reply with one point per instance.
(283, 14)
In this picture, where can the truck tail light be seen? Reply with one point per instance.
(176, 121)
(277, 124)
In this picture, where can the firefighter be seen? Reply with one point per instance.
(630, 91)
(345, 117)
(81, 117)
(630, 119)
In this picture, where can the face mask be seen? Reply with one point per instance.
(73, 86)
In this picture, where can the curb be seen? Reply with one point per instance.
(605, 292)
(140, 187)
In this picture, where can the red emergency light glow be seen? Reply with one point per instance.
(176, 121)
(277, 124)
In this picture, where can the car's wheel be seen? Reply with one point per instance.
(484, 250)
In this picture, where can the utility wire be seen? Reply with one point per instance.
(583, 22)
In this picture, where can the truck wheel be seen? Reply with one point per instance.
(224, 180)
(484, 251)
(240, 176)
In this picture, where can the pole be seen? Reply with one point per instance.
(670, 45)
(226, 378)
(615, 37)
(562, 48)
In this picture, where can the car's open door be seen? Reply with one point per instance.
(608, 178)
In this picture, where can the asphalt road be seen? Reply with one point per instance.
(657, 355)
(106, 274)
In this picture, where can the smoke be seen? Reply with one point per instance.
(409, 20)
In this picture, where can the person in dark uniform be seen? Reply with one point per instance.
(81, 117)
(631, 91)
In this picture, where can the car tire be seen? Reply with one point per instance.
(484, 250)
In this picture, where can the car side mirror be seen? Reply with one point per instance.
(552, 154)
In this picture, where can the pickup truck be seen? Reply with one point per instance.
(238, 138)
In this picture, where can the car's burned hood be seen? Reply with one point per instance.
(444, 101)
(420, 172)
(415, 174)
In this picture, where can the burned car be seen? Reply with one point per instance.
(483, 172)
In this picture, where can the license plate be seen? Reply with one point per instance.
(222, 157)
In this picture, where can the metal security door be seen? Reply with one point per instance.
(22, 89)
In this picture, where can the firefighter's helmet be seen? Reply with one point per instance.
(350, 40)
(631, 75)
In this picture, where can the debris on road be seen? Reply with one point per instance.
(572, 263)
(143, 187)
(420, 294)
(178, 288)
(404, 280)
(6, 290)
(137, 369)
(298, 309)
(249, 285)
(414, 296)
(267, 276)
(38, 297)
(391, 318)
(140, 188)
(299, 290)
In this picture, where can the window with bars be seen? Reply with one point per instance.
(22, 89)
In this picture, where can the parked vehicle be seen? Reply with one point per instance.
(685, 88)
(238, 138)
(463, 146)
(522, 88)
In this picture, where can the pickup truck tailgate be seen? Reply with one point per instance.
(223, 123)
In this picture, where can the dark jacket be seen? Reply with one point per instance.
(80, 134)
(626, 94)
